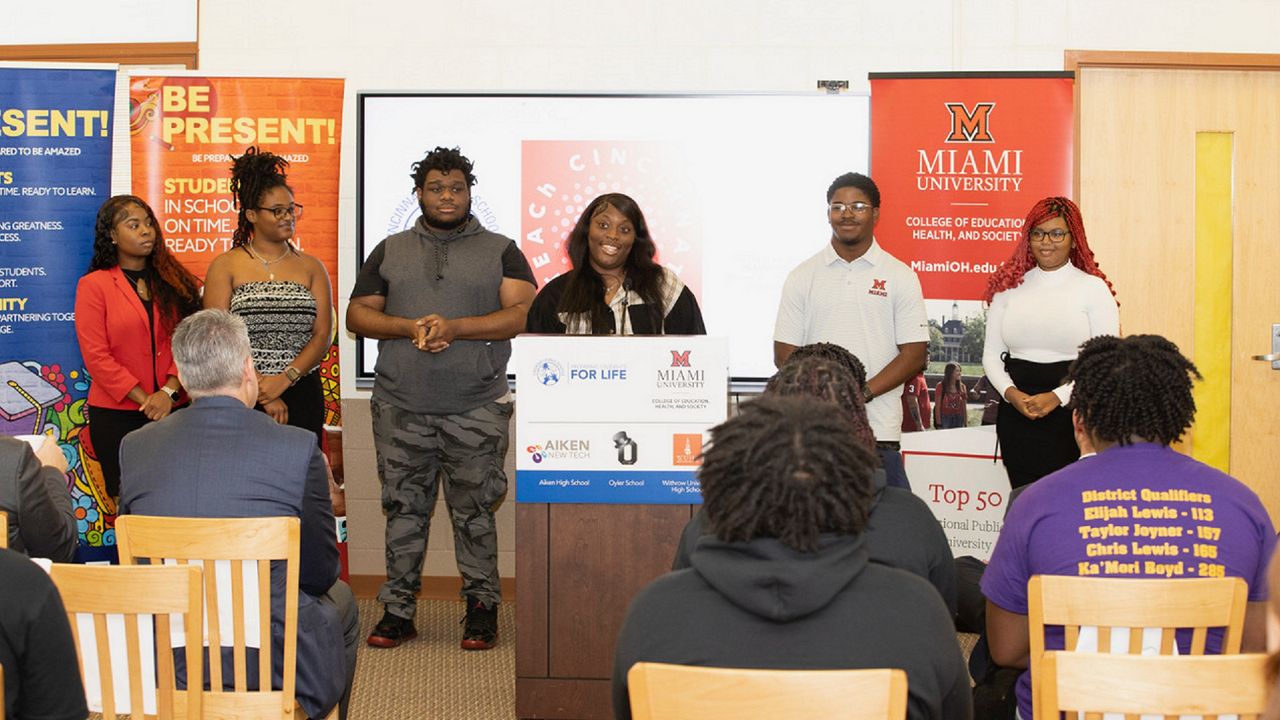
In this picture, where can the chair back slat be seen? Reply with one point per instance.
(1172, 686)
(212, 619)
(679, 692)
(4, 543)
(237, 554)
(106, 680)
(1092, 603)
(1135, 640)
(121, 621)
(134, 654)
(166, 685)
(1073, 637)
(264, 611)
(1198, 638)
(239, 662)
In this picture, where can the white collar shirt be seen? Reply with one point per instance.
(869, 306)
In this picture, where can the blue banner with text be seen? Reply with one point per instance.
(55, 170)
(642, 487)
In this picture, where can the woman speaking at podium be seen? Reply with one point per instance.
(615, 287)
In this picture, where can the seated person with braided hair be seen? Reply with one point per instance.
(901, 531)
(1132, 399)
(837, 354)
(786, 581)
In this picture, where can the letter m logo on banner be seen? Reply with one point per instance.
(680, 359)
(970, 125)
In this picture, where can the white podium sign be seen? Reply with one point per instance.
(958, 473)
(605, 419)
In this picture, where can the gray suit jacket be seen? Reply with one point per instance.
(218, 458)
(36, 498)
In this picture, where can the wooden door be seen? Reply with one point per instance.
(1179, 181)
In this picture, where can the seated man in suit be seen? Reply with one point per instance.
(1136, 509)
(786, 581)
(33, 492)
(222, 458)
(902, 531)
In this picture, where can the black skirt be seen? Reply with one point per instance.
(1035, 448)
(305, 400)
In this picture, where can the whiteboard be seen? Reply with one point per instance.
(733, 187)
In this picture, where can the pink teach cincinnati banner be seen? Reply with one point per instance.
(959, 160)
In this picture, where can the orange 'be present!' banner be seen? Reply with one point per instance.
(185, 130)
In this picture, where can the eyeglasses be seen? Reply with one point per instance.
(439, 189)
(283, 211)
(1055, 236)
(857, 208)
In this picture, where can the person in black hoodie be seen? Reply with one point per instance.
(786, 581)
(901, 530)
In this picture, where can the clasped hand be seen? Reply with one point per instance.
(434, 333)
(157, 405)
(1033, 406)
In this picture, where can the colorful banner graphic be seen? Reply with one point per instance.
(55, 170)
(559, 178)
(643, 446)
(959, 161)
(184, 131)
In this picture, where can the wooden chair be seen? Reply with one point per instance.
(246, 544)
(1110, 603)
(149, 593)
(4, 543)
(681, 692)
(1211, 685)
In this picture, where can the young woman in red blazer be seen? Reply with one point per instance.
(127, 305)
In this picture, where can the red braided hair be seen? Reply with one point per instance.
(1011, 272)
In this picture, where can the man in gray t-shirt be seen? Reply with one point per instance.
(443, 299)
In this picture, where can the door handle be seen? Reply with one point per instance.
(1272, 357)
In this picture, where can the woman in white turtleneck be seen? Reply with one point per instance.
(1045, 300)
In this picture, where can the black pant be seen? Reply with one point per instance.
(1034, 448)
(107, 427)
(305, 400)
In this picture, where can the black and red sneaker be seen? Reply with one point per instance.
(392, 630)
(480, 626)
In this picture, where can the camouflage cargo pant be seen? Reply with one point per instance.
(416, 454)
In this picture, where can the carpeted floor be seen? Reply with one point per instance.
(430, 677)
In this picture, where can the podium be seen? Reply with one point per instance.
(608, 436)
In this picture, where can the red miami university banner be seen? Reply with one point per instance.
(959, 160)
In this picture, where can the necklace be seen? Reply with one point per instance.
(266, 264)
(139, 282)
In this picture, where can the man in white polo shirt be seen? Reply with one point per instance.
(856, 295)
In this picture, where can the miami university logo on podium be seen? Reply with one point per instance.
(970, 126)
(680, 359)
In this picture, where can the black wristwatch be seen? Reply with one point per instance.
(173, 394)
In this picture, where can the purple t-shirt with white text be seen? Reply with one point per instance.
(1140, 511)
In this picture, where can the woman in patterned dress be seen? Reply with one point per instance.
(282, 293)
